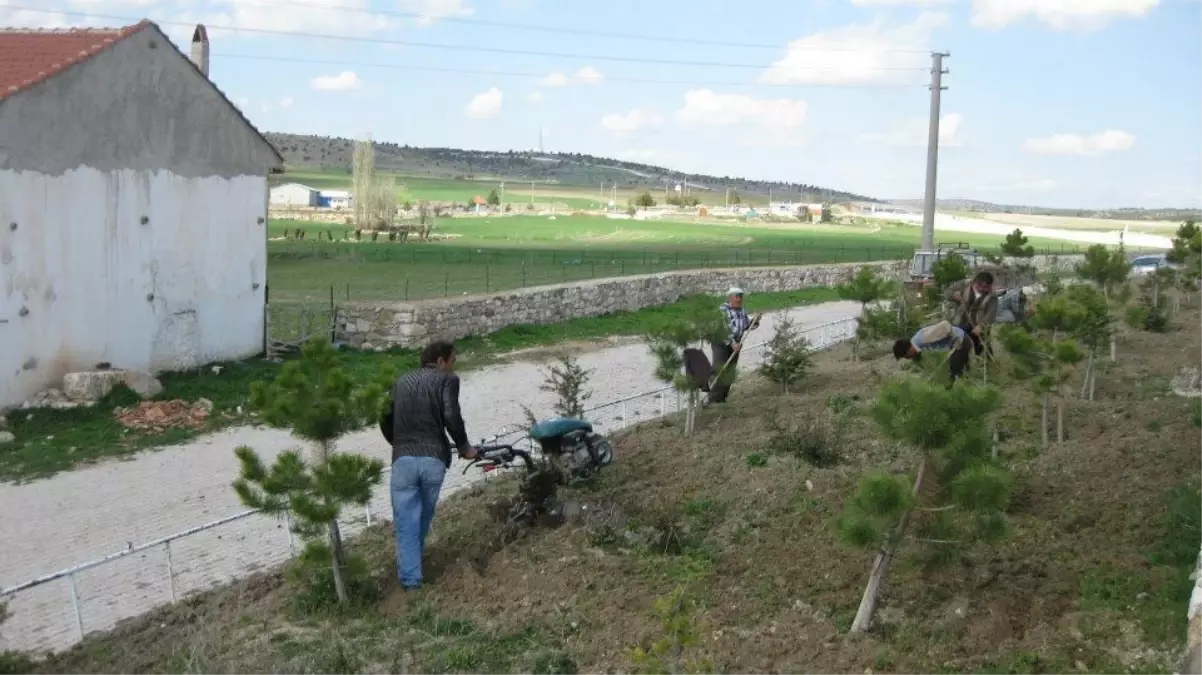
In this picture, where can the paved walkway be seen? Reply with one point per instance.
(94, 511)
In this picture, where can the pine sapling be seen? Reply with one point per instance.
(1094, 328)
(666, 655)
(958, 494)
(315, 398)
(865, 287)
(568, 380)
(788, 356)
(667, 345)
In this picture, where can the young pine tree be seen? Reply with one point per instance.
(867, 288)
(1105, 268)
(1187, 252)
(568, 380)
(1046, 357)
(667, 345)
(315, 398)
(788, 356)
(958, 494)
(1094, 328)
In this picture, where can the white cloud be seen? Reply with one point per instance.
(703, 107)
(635, 120)
(1110, 140)
(858, 54)
(535, 97)
(485, 105)
(914, 133)
(345, 81)
(1083, 15)
(286, 102)
(433, 10)
(588, 75)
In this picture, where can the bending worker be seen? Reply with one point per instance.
(940, 336)
(728, 352)
(975, 308)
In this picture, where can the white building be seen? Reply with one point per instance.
(293, 194)
(142, 245)
(335, 199)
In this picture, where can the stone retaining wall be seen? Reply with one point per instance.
(379, 325)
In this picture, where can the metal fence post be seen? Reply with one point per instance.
(623, 414)
(170, 570)
(75, 605)
(367, 512)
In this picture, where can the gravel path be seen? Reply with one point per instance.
(94, 511)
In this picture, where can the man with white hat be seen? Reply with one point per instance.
(727, 353)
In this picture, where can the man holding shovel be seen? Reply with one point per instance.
(726, 354)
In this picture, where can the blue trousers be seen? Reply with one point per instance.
(415, 484)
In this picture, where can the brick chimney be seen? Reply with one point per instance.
(200, 49)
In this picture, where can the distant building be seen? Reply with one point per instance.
(794, 209)
(133, 197)
(335, 199)
(293, 194)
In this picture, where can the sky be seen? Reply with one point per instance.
(1059, 103)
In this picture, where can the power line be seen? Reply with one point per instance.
(567, 30)
(431, 45)
(469, 71)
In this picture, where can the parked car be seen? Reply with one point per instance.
(1147, 264)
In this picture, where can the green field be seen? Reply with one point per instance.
(505, 252)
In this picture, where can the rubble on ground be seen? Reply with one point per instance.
(53, 398)
(159, 416)
(86, 387)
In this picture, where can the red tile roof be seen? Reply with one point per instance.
(29, 56)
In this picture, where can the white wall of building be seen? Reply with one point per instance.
(293, 194)
(83, 280)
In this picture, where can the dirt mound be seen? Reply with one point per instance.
(159, 416)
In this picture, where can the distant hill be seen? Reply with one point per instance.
(564, 168)
(1169, 214)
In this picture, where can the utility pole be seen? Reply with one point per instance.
(502, 196)
(532, 193)
(928, 203)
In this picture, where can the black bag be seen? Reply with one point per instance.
(697, 368)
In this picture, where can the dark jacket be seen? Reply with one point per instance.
(424, 409)
(973, 308)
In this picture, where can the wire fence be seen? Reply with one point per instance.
(56, 610)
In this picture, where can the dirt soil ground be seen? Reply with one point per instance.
(747, 531)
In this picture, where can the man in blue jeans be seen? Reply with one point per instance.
(423, 410)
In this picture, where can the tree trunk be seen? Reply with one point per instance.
(1093, 382)
(1043, 427)
(1088, 374)
(337, 561)
(880, 566)
(1060, 416)
(1113, 349)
